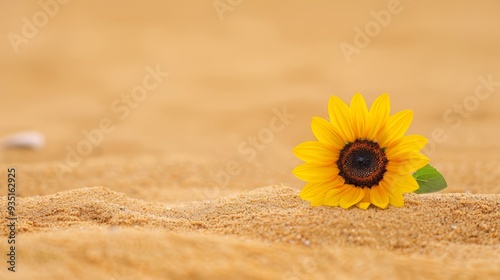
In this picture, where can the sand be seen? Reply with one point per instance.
(191, 178)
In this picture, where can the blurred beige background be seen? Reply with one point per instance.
(230, 64)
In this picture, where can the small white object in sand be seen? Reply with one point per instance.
(25, 139)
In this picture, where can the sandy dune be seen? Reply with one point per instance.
(265, 233)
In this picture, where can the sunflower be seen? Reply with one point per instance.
(361, 156)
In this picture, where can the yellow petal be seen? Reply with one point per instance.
(379, 197)
(324, 132)
(365, 202)
(333, 196)
(313, 189)
(354, 196)
(340, 117)
(409, 165)
(417, 161)
(395, 195)
(318, 200)
(313, 151)
(359, 116)
(312, 172)
(407, 183)
(406, 146)
(378, 115)
(395, 128)
(396, 199)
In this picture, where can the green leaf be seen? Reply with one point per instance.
(429, 180)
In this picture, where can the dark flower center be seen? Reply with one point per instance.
(362, 163)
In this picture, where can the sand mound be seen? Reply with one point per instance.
(235, 234)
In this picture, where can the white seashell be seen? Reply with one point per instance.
(23, 139)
